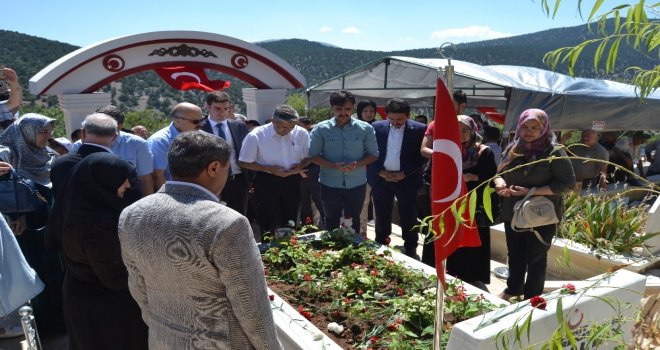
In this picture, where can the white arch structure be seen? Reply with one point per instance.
(76, 77)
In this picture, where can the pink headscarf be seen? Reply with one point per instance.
(529, 150)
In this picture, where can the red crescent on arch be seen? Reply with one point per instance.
(574, 325)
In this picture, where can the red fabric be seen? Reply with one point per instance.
(447, 181)
(492, 114)
(188, 78)
(381, 110)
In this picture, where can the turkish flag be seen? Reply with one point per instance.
(188, 78)
(492, 114)
(447, 182)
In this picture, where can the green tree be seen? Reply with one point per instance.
(635, 30)
(151, 119)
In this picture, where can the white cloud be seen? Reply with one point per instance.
(350, 30)
(325, 29)
(470, 33)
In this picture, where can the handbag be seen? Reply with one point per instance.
(19, 195)
(531, 212)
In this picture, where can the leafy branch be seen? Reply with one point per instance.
(635, 30)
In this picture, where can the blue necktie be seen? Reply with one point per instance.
(221, 133)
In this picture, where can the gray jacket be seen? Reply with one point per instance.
(196, 272)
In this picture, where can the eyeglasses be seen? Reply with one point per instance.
(194, 122)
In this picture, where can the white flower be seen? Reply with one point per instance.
(378, 296)
(335, 328)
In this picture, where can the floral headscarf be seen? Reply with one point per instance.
(530, 151)
(470, 149)
(28, 159)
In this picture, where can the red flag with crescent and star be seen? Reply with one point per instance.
(447, 182)
(188, 78)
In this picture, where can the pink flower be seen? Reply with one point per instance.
(568, 288)
(271, 297)
(359, 291)
(538, 302)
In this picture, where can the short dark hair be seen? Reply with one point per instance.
(422, 116)
(192, 151)
(218, 96)
(252, 122)
(492, 133)
(305, 120)
(339, 98)
(397, 105)
(75, 134)
(362, 105)
(114, 112)
(460, 96)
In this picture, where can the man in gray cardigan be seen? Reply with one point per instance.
(193, 265)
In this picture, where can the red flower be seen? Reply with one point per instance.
(538, 302)
(271, 297)
(355, 265)
(308, 220)
(307, 277)
(392, 326)
(336, 315)
(399, 291)
(387, 240)
(568, 288)
(373, 339)
(359, 291)
(374, 272)
(307, 315)
(293, 241)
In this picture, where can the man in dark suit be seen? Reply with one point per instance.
(397, 172)
(98, 132)
(218, 104)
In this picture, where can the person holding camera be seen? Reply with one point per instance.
(11, 96)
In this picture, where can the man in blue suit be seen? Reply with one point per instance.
(397, 172)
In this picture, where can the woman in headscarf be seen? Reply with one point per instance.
(533, 141)
(366, 111)
(25, 141)
(99, 310)
(472, 265)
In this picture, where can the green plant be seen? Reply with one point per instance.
(635, 30)
(380, 302)
(606, 224)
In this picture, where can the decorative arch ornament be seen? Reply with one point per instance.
(88, 69)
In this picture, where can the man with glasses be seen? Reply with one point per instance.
(185, 117)
(277, 151)
(219, 106)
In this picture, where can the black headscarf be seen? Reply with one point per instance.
(91, 191)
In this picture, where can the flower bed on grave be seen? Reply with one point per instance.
(368, 299)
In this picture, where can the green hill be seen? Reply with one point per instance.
(316, 61)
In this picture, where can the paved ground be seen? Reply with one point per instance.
(496, 286)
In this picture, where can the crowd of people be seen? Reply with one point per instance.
(147, 241)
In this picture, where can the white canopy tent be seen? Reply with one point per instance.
(571, 103)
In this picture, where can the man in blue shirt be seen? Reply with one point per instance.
(185, 117)
(130, 148)
(343, 146)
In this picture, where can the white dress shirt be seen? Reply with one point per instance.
(235, 169)
(394, 142)
(265, 147)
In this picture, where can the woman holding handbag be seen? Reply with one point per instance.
(25, 143)
(533, 143)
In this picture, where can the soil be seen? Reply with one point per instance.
(354, 329)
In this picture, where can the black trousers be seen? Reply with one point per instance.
(278, 199)
(527, 255)
(235, 193)
(383, 193)
(311, 191)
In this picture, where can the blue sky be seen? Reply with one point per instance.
(382, 25)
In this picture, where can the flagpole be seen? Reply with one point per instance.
(439, 290)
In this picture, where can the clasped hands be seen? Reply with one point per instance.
(346, 167)
(295, 169)
(391, 176)
(511, 191)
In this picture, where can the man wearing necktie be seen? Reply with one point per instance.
(235, 192)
